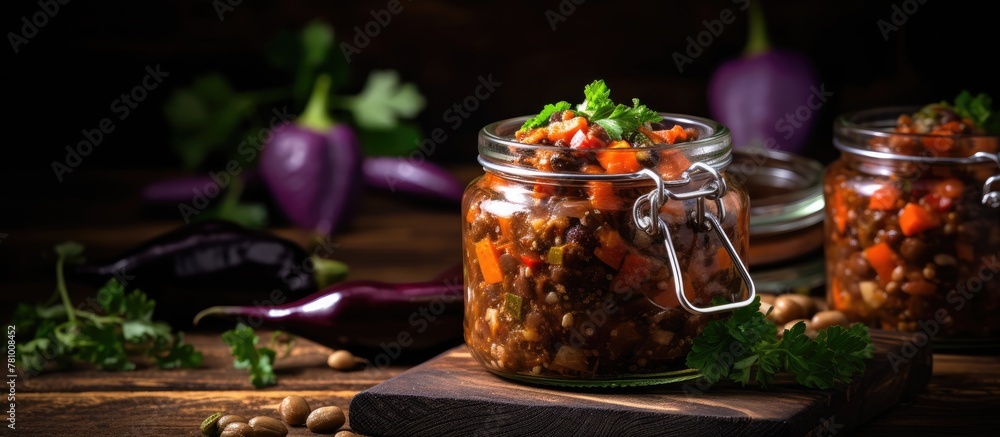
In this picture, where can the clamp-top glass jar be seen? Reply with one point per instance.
(578, 277)
(913, 225)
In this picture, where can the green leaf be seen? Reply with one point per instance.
(542, 119)
(111, 297)
(384, 100)
(746, 343)
(176, 354)
(206, 117)
(242, 342)
(317, 41)
(979, 109)
(397, 141)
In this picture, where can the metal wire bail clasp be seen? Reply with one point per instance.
(991, 196)
(645, 213)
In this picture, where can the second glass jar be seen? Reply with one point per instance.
(571, 281)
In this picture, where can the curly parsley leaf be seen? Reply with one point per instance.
(542, 118)
(979, 109)
(242, 342)
(109, 338)
(617, 120)
(746, 346)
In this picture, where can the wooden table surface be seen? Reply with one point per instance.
(391, 239)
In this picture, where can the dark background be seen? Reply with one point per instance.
(64, 79)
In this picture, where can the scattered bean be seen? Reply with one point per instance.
(824, 319)
(766, 298)
(326, 419)
(944, 259)
(210, 426)
(343, 360)
(929, 271)
(346, 433)
(294, 410)
(786, 309)
(228, 419)
(804, 301)
(898, 274)
(792, 323)
(238, 429)
(264, 426)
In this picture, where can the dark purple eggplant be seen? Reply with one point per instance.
(367, 317)
(403, 175)
(185, 189)
(313, 167)
(758, 96)
(213, 262)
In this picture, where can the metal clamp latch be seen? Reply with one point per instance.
(646, 210)
(991, 196)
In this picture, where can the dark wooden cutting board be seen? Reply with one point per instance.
(453, 395)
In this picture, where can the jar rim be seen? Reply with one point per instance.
(498, 149)
(878, 122)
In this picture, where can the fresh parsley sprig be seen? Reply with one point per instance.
(618, 120)
(979, 110)
(746, 346)
(120, 327)
(259, 361)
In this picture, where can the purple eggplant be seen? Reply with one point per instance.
(313, 167)
(212, 262)
(367, 317)
(184, 189)
(758, 96)
(404, 175)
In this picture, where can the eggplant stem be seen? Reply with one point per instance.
(757, 41)
(327, 272)
(315, 116)
(215, 311)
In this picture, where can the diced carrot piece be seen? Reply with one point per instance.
(839, 208)
(611, 248)
(634, 270)
(672, 164)
(723, 259)
(472, 213)
(619, 161)
(884, 198)
(602, 196)
(591, 169)
(668, 299)
(841, 297)
(914, 219)
(489, 261)
(673, 135)
(564, 130)
(531, 136)
(543, 191)
(505, 228)
(882, 259)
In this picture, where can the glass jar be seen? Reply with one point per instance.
(571, 279)
(912, 240)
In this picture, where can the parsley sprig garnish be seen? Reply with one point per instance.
(259, 361)
(746, 346)
(618, 120)
(979, 110)
(117, 327)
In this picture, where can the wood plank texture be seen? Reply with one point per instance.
(452, 394)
